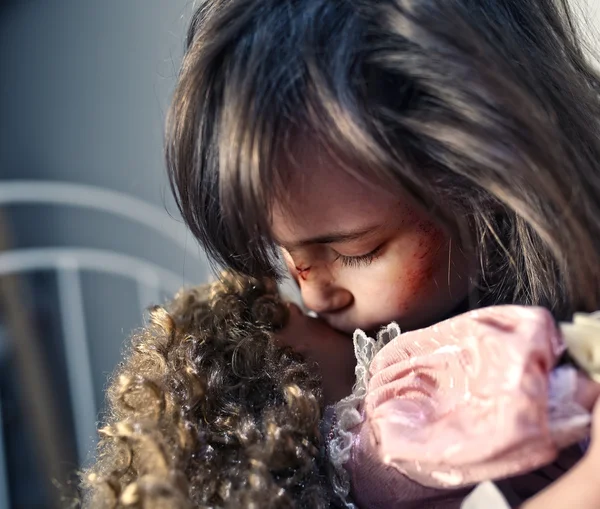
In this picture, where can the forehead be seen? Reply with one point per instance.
(321, 197)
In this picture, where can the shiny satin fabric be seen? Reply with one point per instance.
(465, 401)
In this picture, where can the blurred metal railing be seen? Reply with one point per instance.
(150, 279)
(68, 263)
(4, 495)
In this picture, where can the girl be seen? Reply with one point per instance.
(409, 158)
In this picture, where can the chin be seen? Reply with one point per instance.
(344, 329)
(340, 325)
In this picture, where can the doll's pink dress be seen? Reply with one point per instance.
(437, 411)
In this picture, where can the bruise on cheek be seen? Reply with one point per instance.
(431, 239)
(416, 280)
(426, 227)
(425, 260)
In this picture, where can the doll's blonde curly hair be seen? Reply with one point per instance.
(207, 411)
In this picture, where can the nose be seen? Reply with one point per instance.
(325, 298)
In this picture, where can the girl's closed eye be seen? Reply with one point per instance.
(360, 260)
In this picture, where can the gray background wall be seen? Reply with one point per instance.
(84, 89)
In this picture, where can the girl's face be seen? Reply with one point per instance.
(363, 257)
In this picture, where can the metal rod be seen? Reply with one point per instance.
(77, 355)
(39, 401)
(4, 492)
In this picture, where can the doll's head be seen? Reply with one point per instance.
(206, 411)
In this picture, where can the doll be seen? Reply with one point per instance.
(212, 407)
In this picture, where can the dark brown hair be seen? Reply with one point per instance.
(485, 110)
(206, 411)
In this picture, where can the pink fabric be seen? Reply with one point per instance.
(459, 403)
(376, 485)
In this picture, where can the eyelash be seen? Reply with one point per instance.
(359, 261)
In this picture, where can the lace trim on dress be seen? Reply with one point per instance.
(347, 412)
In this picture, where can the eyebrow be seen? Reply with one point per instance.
(332, 238)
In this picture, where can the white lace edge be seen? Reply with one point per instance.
(348, 410)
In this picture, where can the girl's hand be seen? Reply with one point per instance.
(587, 394)
(591, 460)
(332, 351)
(579, 487)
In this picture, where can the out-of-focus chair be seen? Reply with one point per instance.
(69, 263)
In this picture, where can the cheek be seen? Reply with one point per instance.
(426, 260)
(418, 273)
